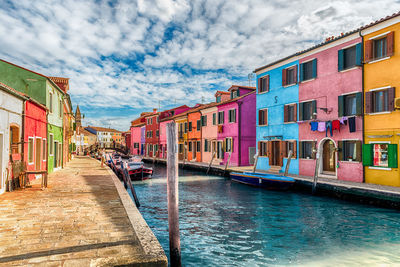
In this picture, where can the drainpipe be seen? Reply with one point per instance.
(23, 131)
(239, 133)
(362, 90)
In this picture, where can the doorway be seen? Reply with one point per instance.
(55, 154)
(328, 157)
(38, 153)
(275, 154)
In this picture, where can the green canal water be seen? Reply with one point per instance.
(223, 223)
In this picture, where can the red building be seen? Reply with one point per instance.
(152, 133)
(35, 132)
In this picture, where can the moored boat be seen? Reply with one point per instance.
(264, 180)
(137, 170)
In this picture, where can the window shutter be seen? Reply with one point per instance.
(285, 113)
(392, 153)
(359, 105)
(340, 60)
(259, 84)
(359, 54)
(301, 106)
(391, 95)
(301, 72)
(358, 151)
(301, 149)
(266, 117)
(340, 106)
(266, 80)
(294, 150)
(283, 77)
(314, 68)
(341, 150)
(232, 144)
(367, 155)
(295, 112)
(269, 151)
(295, 74)
(390, 44)
(259, 152)
(314, 106)
(223, 116)
(283, 148)
(214, 118)
(368, 102)
(231, 94)
(260, 114)
(368, 51)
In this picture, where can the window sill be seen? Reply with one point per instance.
(350, 69)
(347, 161)
(306, 159)
(379, 113)
(309, 80)
(288, 85)
(262, 125)
(290, 122)
(377, 60)
(380, 168)
(261, 93)
(30, 163)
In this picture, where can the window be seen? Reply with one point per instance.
(228, 145)
(380, 47)
(380, 101)
(51, 102)
(60, 108)
(289, 76)
(206, 144)
(44, 150)
(380, 152)
(221, 117)
(157, 119)
(218, 99)
(204, 120)
(232, 115)
(234, 94)
(51, 142)
(214, 118)
(263, 117)
(290, 113)
(291, 146)
(157, 133)
(198, 146)
(349, 150)
(190, 146)
(190, 126)
(30, 150)
(307, 110)
(307, 149)
(180, 148)
(198, 125)
(263, 84)
(186, 127)
(349, 56)
(308, 70)
(262, 149)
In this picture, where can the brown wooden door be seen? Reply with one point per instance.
(38, 153)
(329, 157)
(275, 159)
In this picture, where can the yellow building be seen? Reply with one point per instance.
(182, 124)
(382, 113)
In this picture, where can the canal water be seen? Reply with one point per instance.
(223, 223)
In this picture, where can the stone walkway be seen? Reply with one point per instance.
(79, 220)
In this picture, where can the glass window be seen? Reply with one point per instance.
(290, 147)
(190, 126)
(380, 152)
(350, 105)
(380, 48)
(381, 101)
(221, 117)
(228, 145)
(198, 125)
(350, 151)
(198, 146)
(214, 118)
(263, 149)
(308, 110)
(307, 70)
(218, 99)
(263, 84)
(51, 141)
(290, 76)
(30, 150)
(349, 56)
(232, 115)
(307, 152)
(263, 117)
(190, 146)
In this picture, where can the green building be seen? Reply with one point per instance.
(40, 88)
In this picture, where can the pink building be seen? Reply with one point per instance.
(236, 121)
(136, 139)
(209, 133)
(330, 109)
(163, 138)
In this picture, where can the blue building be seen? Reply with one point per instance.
(277, 125)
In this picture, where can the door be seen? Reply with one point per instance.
(252, 152)
(59, 155)
(275, 159)
(38, 153)
(194, 151)
(55, 154)
(329, 157)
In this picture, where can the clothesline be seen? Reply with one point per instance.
(332, 125)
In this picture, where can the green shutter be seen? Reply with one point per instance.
(314, 68)
(359, 54)
(301, 72)
(340, 60)
(359, 105)
(340, 106)
(214, 118)
(341, 150)
(314, 105)
(231, 94)
(301, 107)
(392, 153)
(367, 155)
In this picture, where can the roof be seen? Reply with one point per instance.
(330, 40)
(183, 113)
(222, 93)
(235, 99)
(102, 129)
(241, 86)
(209, 105)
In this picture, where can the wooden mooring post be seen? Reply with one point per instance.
(227, 162)
(314, 186)
(173, 193)
(288, 162)
(255, 163)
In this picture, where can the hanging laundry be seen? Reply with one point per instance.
(343, 120)
(314, 126)
(328, 126)
(352, 124)
(336, 125)
(321, 126)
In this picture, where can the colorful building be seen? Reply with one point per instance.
(237, 127)
(382, 101)
(209, 133)
(12, 107)
(152, 134)
(104, 135)
(195, 121)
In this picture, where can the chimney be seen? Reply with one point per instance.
(154, 110)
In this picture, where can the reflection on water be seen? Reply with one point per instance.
(229, 224)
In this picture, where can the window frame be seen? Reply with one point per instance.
(264, 81)
(302, 155)
(221, 119)
(230, 114)
(265, 121)
(31, 151)
(345, 52)
(374, 102)
(51, 141)
(384, 48)
(263, 152)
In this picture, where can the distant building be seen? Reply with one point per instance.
(105, 136)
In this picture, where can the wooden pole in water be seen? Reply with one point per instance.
(209, 166)
(173, 193)
(314, 186)
(255, 163)
(288, 162)
(227, 162)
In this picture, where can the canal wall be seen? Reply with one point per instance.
(371, 194)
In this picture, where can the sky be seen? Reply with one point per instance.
(127, 57)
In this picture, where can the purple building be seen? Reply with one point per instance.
(142, 139)
(236, 119)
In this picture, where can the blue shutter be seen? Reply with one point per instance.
(314, 68)
(340, 106)
(340, 60)
(358, 54)
(301, 72)
(359, 105)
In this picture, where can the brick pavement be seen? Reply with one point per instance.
(79, 220)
